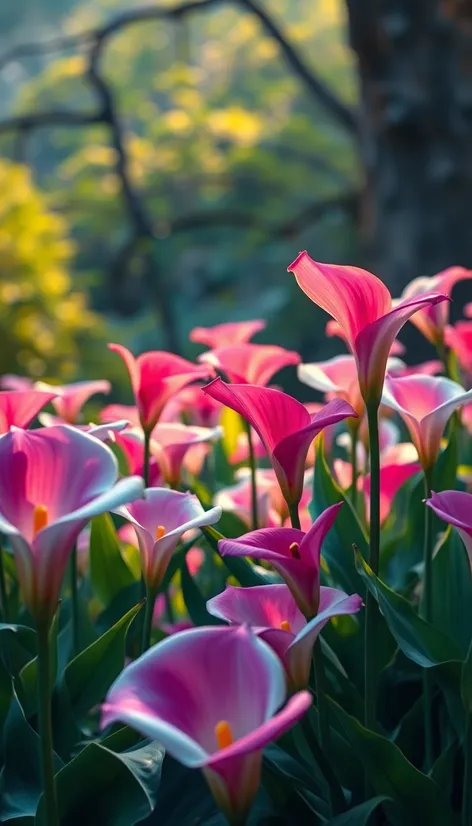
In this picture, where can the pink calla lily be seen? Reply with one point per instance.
(70, 398)
(274, 616)
(455, 508)
(156, 377)
(160, 520)
(295, 555)
(131, 444)
(52, 481)
(18, 408)
(250, 363)
(392, 477)
(425, 404)
(211, 697)
(191, 406)
(459, 339)
(284, 426)
(362, 306)
(222, 335)
(432, 320)
(171, 443)
(118, 412)
(334, 330)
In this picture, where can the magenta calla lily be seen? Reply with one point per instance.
(362, 306)
(52, 481)
(18, 408)
(232, 332)
(455, 508)
(155, 377)
(250, 363)
(275, 617)
(284, 426)
(160, 520)
(171, 443)
(295, 555)
(70, 398)
(432, 320)
(211, 696)
(459, 339)
(425, 403)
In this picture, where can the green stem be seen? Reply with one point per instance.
(45, 725)
(147, 458)
(253, 466)
(294, 516)
(426, 610)
(148, 615)
(354, 468)
(323, 719)
(371, 608)
(467, 787)
(74, 602)
(337, 799)
(3, 591)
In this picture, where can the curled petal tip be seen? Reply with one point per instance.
(294, 263)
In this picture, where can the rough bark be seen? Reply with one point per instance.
(415, 133)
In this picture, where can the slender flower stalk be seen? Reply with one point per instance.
(147, 458)
(5, 614)
(426, 611)
(45, 724)
(74, 601)
(354, 468)
(253, 467)
(294, 517)
(370, 688)
(467, 785)
(151, 594)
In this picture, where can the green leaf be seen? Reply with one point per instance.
(238, 567)
(17, 646)
(195, 603)
(452, 590)
(109, 572)
(21, 776)
(418, 640)
(415, 797)
(346, 531)
(359, 815)
(102, 788)
(89, 675)
(466, 682)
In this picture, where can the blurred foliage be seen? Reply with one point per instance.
(43, 323)
(215, 125)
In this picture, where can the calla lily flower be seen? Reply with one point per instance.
(52, 482)
(459, 339)
(250, 363)
(362, 305)
(432, 320)
(211, 697)
(171, 442)
(70, 398)
(284, 426)
(191, 406)
(160, 520)
(425, 404)
(18, 408)
(237, 499)
(392, 477)
(131, 443)
(295, 555)
(222, 335)
(274, 616)
(156, 377)
(455, 508)
(118, 412)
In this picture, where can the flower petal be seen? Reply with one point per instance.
(250, 363)
(232, 332)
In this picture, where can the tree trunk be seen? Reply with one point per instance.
(415, 69)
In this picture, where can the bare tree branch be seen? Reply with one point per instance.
(316, 87)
